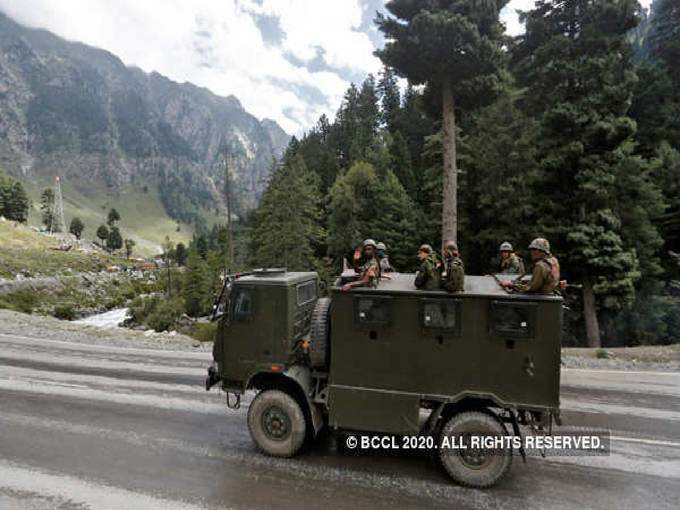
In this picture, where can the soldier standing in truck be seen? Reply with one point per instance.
(427, 277)
(510, 263)
(453, 279)
(545, 277)
(369, 271)
(385, 266)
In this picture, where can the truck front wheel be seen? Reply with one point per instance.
(467, 465)
(276, 423)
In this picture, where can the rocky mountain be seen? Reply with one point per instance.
(78, 111)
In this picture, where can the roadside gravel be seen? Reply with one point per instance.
(38, 326)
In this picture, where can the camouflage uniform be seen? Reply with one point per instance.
(545, 277)
(512, 265)
(455, 274)
(372, 268)
(427, 277)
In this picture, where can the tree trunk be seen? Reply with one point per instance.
(450, 177)
(590, 314)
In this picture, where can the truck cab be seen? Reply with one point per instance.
(391, 360)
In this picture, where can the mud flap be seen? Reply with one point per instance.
(303, 377)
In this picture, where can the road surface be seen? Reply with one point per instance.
(92, 426)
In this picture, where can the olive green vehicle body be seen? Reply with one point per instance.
(395, 350)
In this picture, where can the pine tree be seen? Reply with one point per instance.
(287, 221)
(390, 99)
(14, 202)
(115, 240)
(76, 227)
(580, 83)
(365, 206)
(129, 247)
(455, 48)
(181, 254)
(47, 208)
(196, 288)
(103, 234)
(112, 218)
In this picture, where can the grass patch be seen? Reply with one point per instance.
(25, 301)
(202, 331)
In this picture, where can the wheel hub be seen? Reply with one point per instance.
(276, 423)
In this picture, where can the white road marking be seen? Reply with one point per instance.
(136, 398)
(75, 492)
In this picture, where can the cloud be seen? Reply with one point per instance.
(290, 60)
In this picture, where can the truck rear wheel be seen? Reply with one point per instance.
(473, 467)
(276, 423)
(319, 352)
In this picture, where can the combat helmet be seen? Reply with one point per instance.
(450, 244)
(540, 244)
(426, 248)
(506, 246)
(381, 246)
(369, 242)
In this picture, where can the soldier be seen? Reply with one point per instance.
(510, 262)
(427, 277)
(385, 266)
(369, 271)
(454, 271)
(545, 277)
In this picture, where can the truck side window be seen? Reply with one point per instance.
(306, 292)
(512, 319)
(372, 311)
(242, 305)
(440, 314)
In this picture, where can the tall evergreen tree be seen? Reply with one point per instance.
(365, 205)
(286, 223)
(14, 202)
(115, 240)
(112, 218)
(390, 99)
(197, 286)
(580, 82)
(455, 48)
(47, 208)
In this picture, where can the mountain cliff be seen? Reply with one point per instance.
(79, 112)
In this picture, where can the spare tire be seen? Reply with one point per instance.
(319, 334)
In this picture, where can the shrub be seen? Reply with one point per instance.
(203, 331)
(64, 312)
(20, 301)
(601, 354)
(165, 314)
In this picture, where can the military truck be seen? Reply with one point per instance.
(391, 360)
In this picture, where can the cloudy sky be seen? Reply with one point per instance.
(289, 60)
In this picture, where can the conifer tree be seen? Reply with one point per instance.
(287, 221)
(455, 48)
(364, 205)
(197, 287)
(76, 227)
(47, 208)
(580, 83)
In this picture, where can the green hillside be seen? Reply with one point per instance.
(143, 217)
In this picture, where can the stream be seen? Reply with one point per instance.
(109, 319)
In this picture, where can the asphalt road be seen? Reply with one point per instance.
(84, 426)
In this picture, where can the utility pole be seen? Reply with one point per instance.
(228, 165)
